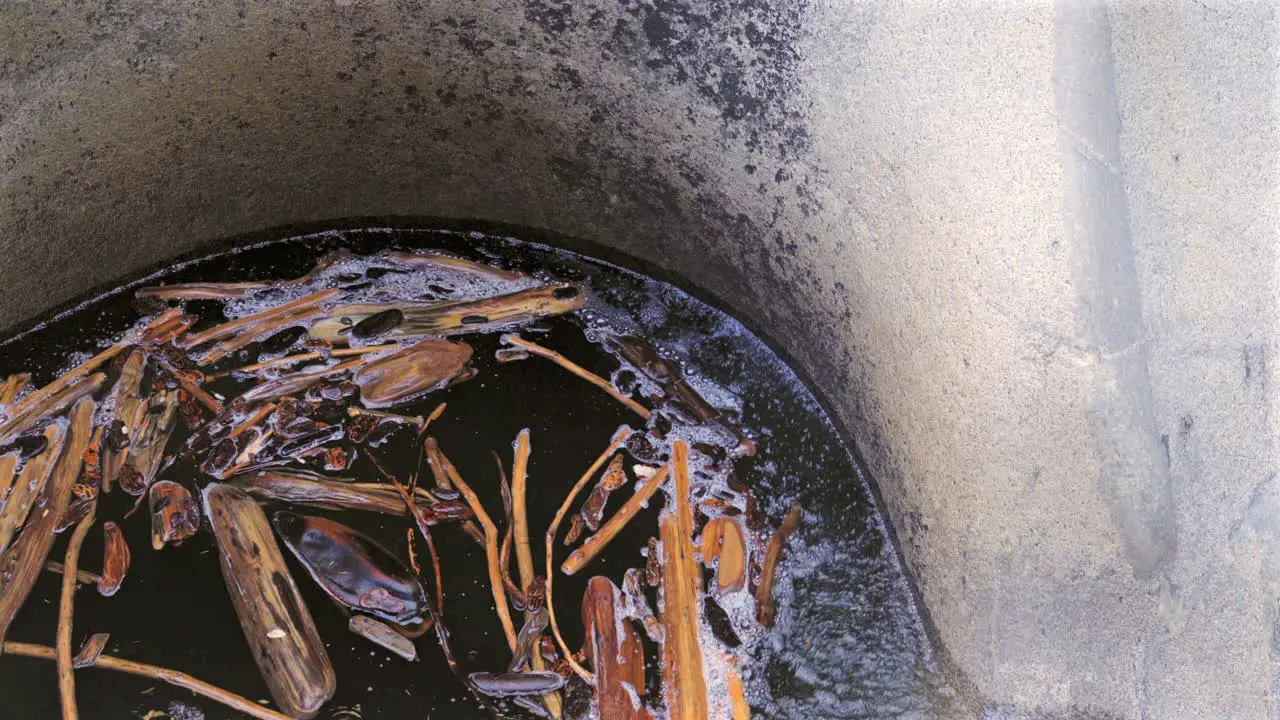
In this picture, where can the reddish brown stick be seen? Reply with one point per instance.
(22, 562)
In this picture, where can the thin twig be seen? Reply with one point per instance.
(618, 438)
(66, 606)
(596, 543)
(84, 577)
(435, 567)
(524, 553)
(580, 371)
(173, 677)
(508, 537)
(491, 554)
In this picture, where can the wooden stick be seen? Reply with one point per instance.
(441, 467)
(407, 496)
(508, 537)
(233, 327)
(21, 564)
(66, 606)
(738, 696)
(615, 651)
(84, 577)
(449, 263)
(491, 554)
(765, 607)
(682, 678)
(202, 291)
(618, 438)
(596, 543)
(13, 385)
(172, 677)
(277, 624)
(580, 371)
(490, 546)
(435, 569)
(524, 553)
(50, 398)
(30, 482)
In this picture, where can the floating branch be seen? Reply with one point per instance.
(66, 607)
(21, 563)
(765, 607)
(30, 483)
(280, 631)
(172, 677)
(449, 263)
(580, 371)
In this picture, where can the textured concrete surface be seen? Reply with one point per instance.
(1027, 251)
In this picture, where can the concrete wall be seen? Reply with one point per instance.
(1028, 252)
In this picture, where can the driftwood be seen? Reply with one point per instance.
(455, 317)
(491, 557)
(615, 653)
(146, 451)
(418, 369)
(84, 577)
(295, 383)
(275, 621)
(80, 381)
(30, 482)
(682, 678)
(22, 561)
(227, 291)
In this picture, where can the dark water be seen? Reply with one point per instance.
(848, 642)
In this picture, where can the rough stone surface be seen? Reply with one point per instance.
(1026, 250)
